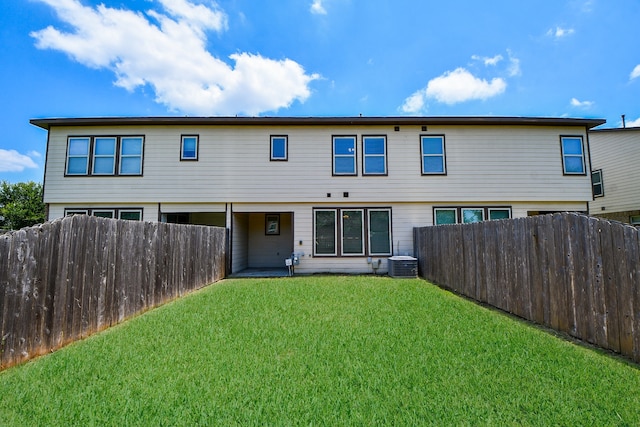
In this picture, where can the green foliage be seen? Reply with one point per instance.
(21, 205)
(322, 350)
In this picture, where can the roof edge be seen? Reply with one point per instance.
(48, 123)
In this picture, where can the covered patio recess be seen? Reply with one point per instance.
(260, 243)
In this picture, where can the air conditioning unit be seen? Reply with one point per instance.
(403, 266)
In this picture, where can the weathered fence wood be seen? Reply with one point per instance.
(67, 279)
(575, 274)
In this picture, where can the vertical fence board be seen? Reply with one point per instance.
(610, 290)
(599, 307)
(5, 244)
(11, 306)
(536, 272)
(571, 276)
(632, 249)
(622, 248)
(467, 263)
(491, 256)
(480, 289)
(584, 280)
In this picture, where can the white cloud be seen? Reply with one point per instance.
(560, 32)
(488, 61)
(12, 161)
(167, 51)
(581, 104)
(635, 73)
(318, 8)
(514, 65)
(633, 123)
(460, 85)
(415, 103)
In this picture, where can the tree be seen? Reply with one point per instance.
(21, 205)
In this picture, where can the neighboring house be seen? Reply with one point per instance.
(341, 192)
(615, 159)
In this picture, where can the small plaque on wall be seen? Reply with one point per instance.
(272, 224)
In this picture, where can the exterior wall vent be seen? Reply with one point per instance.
(403, 266)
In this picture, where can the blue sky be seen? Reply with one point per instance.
(78, 58)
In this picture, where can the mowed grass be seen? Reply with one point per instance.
(325, 350)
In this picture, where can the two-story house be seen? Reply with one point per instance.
(615, 161)
(341, 192)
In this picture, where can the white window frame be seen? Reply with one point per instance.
(272, 156)
(335, 232)
(342, 237)
(581, 156)
(97, 156)
(366, 156)
(435, 215)
(338, 156)
(182, 153)
(443, 156)
(111, 211)
(70, 156)
(498, 209)
(71, 212)
(462, 210)
(389, 251)
(138, 211)
(600, 182)
(128, 156)
(634, 219)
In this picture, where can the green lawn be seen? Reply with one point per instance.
(325, 350)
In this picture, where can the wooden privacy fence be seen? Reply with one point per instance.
(66, 279)
(570, 272)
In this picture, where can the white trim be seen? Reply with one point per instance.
(435, 216)
(389, 252)
(335, 232)
(342, 217)
(471, 209)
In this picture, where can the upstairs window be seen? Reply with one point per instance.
(433, 155)
(279, 149)
(104, 156)
(597, 184)
(374, 152)
(131, 156)
(572, 155)
(78, 156)
(344, 155)
(189, 147)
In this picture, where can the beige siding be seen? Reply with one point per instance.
(617, 153)
(240, 243)
(484, 163)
